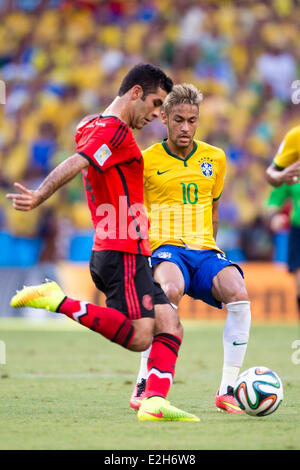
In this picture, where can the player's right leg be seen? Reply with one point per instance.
(114, 322)
(109, 322)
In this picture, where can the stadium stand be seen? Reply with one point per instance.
(61, 60)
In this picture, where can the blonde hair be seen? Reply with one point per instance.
(185, 93)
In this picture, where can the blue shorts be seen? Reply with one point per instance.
(294, 249)
(198, 269)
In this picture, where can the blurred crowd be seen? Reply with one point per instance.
(61, 60)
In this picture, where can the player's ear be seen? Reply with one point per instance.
(136, 92)
(163, 117)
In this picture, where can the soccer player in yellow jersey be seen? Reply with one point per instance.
(285, 167)
(284, 175)
(183, 182)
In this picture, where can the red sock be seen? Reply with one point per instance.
(161, 364)
(109, 322)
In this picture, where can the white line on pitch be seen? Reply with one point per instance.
(70, 376)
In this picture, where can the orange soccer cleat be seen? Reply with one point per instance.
(227, 402)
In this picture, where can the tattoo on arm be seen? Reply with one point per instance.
(61, 175)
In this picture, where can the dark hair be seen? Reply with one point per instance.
(149, 77)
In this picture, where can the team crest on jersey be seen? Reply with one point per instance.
(102, 154)
(206, 165)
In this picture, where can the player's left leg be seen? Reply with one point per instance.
(166, 337)
(161, 367)
(160, 359)
(170, 278)
(161, 364)
(229, 287)
(164, 350)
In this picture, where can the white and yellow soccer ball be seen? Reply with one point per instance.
(259, 391)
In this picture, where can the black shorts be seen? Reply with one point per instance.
(126, 280)
(294, 248)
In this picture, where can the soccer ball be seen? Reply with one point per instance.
(258, 391)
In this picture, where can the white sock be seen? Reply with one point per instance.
(235, 341)
(143, 372)
(229, 376)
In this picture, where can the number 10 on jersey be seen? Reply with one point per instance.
(189, 193)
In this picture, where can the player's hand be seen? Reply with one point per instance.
(25, 200)
(291, 174)
(279, 222)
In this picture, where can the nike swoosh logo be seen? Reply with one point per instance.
(238, 344)
(157, 415)
(162, 172)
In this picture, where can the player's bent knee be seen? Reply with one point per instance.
(239, 294)
(173, 292)
(235, 291)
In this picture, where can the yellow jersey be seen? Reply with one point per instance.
(289, 149)
(179, 194)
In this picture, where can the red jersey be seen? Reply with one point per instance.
(114, 185)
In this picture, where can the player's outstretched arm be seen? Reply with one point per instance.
(290, 175)
(27, 199)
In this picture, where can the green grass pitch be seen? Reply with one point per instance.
(65, 387)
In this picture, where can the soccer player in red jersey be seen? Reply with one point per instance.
(137, 309)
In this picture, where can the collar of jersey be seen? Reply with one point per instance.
(115, 117)
(163, 143)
